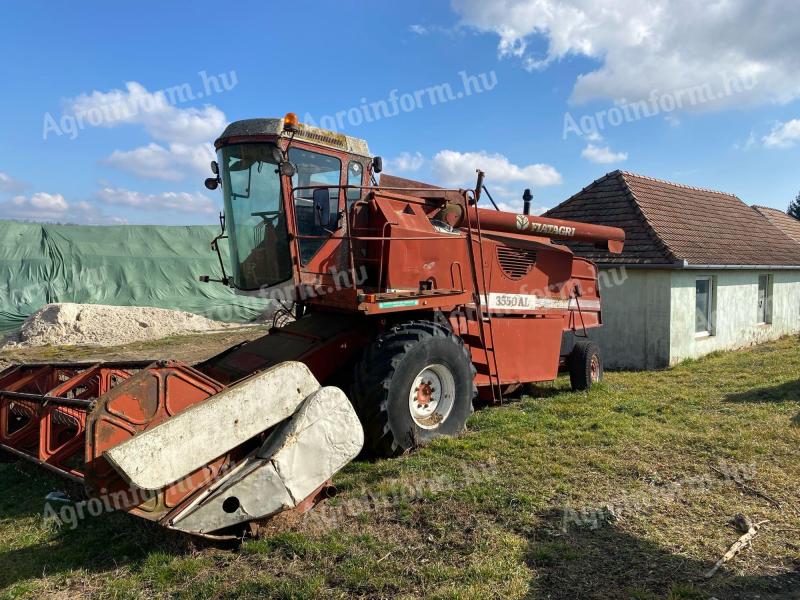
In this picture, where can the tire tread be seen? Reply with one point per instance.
(374, 373)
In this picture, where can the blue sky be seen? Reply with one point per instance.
(544, 65)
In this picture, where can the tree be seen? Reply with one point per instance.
(794, 208)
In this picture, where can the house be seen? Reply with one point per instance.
(701, 270)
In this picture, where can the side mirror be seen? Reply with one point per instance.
(212, 183)
(377, 164)
(214, 167)
(286, 168)
(322, 207)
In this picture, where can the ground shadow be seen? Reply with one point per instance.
(784, 392)
(523, 392)
(538, 390)
(607, 563)
(95, 544)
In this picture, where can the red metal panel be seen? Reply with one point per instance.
(48, 426)
(527, 348)
(139, 403)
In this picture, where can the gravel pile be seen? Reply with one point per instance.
(99, 325)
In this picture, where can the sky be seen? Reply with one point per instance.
(111, 109)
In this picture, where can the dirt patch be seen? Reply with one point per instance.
(190, 349)
(98, 325)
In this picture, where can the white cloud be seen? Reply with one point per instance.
(186, 202)
(158, 162)
(783, 135)
(661, 45)
(185, 133)
(406, 162)
(9, 184)
(45, 207)
(458, 168)
(431, 29)
(504, 180)
(603, 155)
(160, 118)
(42, 201)
(750, 143)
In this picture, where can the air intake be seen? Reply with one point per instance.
(516, 262)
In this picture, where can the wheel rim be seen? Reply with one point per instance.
(595, 369)
(432, 396)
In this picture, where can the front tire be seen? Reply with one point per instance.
(585, 366)
(413, 384)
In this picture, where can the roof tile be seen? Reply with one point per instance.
(788, 225)
(667, 222)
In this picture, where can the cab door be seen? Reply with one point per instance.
(321, 252)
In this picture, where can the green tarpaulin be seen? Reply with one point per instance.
(119, 265)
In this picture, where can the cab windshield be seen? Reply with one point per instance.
(254, 215)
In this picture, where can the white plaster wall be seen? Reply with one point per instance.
(736, 312)
(636, 313)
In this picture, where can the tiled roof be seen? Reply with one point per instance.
(667, 223)
(788, 225)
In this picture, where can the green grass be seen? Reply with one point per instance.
(605, 494)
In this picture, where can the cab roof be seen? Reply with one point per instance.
(306, 133)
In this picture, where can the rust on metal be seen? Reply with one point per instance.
(148, 398)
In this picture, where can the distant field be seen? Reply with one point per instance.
(622, 492)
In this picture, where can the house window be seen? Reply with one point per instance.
(704, 302)
(764, 299)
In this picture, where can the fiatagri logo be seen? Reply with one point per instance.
(525, 224)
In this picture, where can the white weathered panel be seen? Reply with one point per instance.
(323, 437)
(177, 447)
(257, 493)
(298, 457)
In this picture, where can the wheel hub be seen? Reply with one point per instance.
(595, 369)
(425, 393)
(432, 396)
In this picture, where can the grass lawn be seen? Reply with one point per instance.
(622, 492)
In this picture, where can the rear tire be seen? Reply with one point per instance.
(585, 366)
(414, 383)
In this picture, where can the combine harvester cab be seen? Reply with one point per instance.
(167, 443)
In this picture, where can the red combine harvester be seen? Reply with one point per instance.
(410, 297)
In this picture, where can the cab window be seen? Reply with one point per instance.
(355, 176)
(313, 169)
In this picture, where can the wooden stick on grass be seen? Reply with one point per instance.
(737, 547)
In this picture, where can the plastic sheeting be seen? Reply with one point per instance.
(118, 265)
